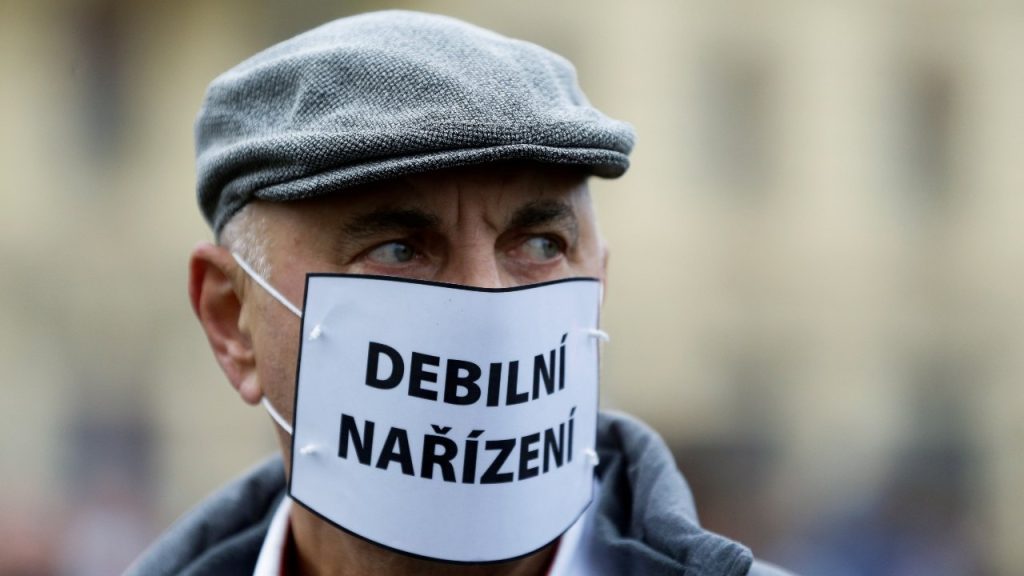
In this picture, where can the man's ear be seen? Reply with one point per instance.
(216, 292)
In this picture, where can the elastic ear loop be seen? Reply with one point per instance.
(266, 285)
(305, 450)
(592, 458)
(276, 415)
(311, 448)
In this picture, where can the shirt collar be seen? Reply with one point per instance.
(271, 559)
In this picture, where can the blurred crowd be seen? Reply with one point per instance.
(816, 281)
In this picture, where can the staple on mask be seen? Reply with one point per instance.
(316, 332)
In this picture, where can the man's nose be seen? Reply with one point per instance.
(476, 268)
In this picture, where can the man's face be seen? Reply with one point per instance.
(487, 227)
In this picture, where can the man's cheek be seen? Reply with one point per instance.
(277, 367)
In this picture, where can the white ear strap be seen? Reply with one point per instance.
(276, 415)
(266, 285)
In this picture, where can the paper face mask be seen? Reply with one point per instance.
(442, 421)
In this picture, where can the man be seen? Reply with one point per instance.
(422, 181)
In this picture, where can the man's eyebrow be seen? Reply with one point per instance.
(545, 213)
(389, 220)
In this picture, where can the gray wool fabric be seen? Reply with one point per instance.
(387, 94)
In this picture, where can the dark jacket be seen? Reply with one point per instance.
(645, 523)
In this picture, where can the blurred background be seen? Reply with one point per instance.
(816, 283)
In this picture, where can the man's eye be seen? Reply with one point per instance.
(392, 253)
(542, 248)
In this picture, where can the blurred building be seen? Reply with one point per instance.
(816, 282)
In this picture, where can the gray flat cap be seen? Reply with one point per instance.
(387, 94)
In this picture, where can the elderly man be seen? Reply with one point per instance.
(407, 276)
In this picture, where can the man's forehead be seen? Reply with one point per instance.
(428, 198)
(471, 201)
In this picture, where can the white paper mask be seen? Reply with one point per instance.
(443, 421)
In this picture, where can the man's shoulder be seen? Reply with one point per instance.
(222, 534)
(646, 516)
(646, 521)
